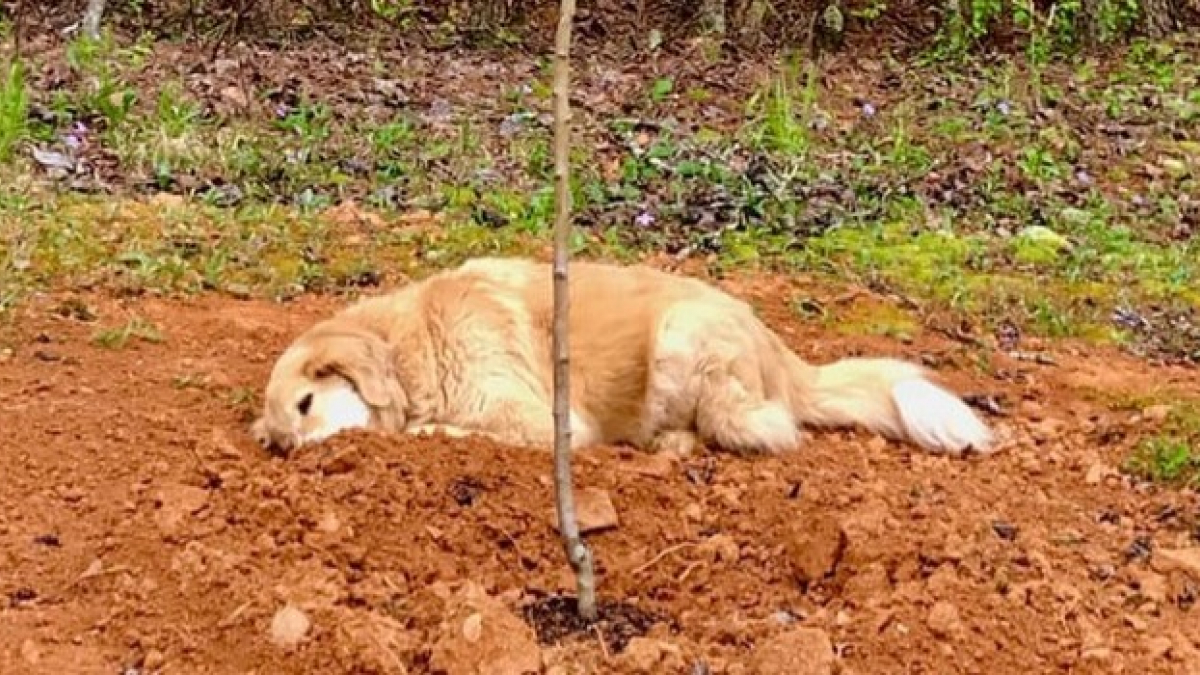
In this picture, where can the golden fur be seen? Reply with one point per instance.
(656, 360)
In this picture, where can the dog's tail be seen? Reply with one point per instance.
(890, 397)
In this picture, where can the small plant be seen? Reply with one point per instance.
(311, 123)
(781, 128)
(1165, 459)
(14, 109)
(176, 115)
(189, 381)
(119, 337)
(661, 89)
(399, 12)
(392, 139)
(104, 94)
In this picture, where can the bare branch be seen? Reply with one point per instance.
(577, 552)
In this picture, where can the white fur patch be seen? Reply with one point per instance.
(938, 420)
(340, 409)
(773, 427)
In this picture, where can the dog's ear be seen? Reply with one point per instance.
(363, 359)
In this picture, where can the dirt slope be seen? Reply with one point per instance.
(140, 527)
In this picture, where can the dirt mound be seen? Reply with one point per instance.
(142, 529)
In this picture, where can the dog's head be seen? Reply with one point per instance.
(332, 378)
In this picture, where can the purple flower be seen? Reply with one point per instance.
(1083, 177)
(644, 219)
(868, 110)
(1004, 107)
(75, 138)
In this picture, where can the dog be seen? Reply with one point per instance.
(658, 361)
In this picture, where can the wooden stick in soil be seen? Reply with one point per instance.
(577, 552)
(92, 17)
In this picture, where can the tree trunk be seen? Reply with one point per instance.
(1159, 18)
(577, 552)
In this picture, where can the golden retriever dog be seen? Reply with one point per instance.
(658, 361)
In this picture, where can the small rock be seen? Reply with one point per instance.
(796, 651)
(30, 652)
(153, 660)
(235, 97)
(594, 511)
(1096, 654)
(1047, 429)
(871, 586)
(1151, 585)
(943, 582)
(721, 547)
(329, 523)
(645, 655)
(1096, 473)
(176, 504)
(289, 626)
(223, 445)
(655, 465)
(693, 512)
(473, 628)
(1158, 646)
(375, 639)
(1032, 409)
(944, 621)
(783, 617)
(1004, 529)
(343, 461)
(481, 635)
(1136, 622)
(1157, 413)
(955, 547)
(814, 547)
(71, 494)
(1187, 560)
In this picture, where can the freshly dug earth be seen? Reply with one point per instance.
(143, 531)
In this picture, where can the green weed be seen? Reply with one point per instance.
(779, 126)
(14, 109)
(119, 337)
(1165, 459)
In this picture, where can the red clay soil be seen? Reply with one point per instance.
(144, 532)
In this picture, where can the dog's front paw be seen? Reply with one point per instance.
(679, 443)
(448, 430)
(258, 431)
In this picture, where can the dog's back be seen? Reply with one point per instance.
(614, 317)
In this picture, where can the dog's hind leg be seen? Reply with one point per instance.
(733, 412)
(706, 368)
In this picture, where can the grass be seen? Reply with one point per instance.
(1169, 460)
(14, 109)
(1171, 455)
(118, 337)
(956, 195)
